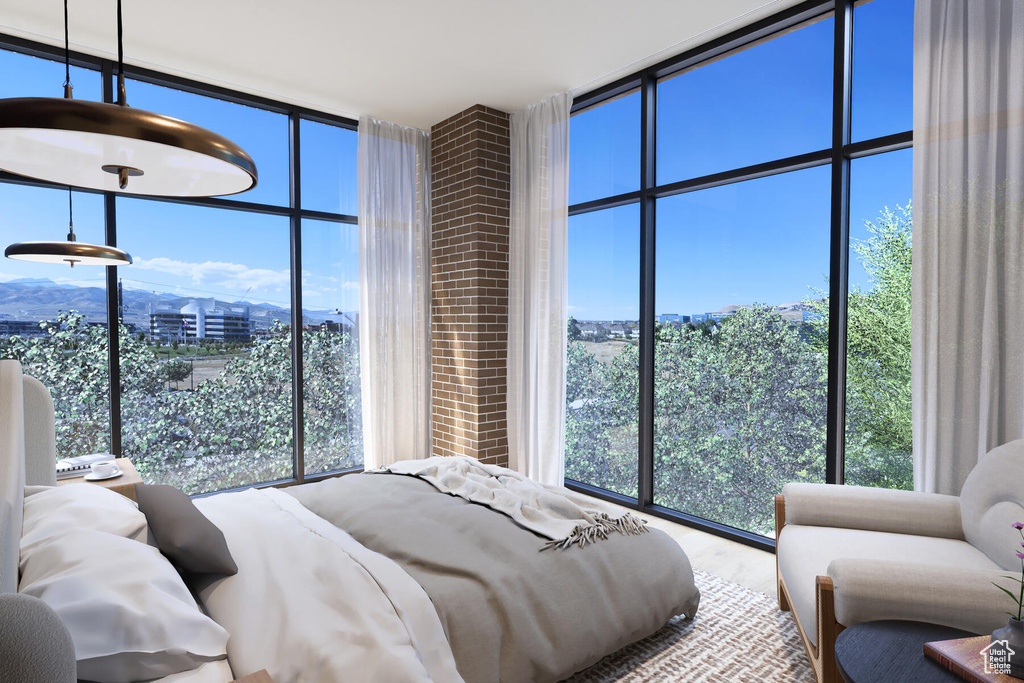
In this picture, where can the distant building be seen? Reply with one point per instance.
(673, 318)
(22, 328)
(620, 330)
(200, 319)
(341, 322)
(262, 319)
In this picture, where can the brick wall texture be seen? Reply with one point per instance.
(470, 207)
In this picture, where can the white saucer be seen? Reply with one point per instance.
(92, 477)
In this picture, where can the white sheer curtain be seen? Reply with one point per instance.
(394, 291)
(968, 281)
(538, 243)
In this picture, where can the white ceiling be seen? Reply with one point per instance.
(414, 62)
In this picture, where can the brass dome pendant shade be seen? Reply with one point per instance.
(116, 148)
(70, 252)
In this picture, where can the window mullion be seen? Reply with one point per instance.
(645, 443)
(113, 304)
(840, 243)
(295, 202)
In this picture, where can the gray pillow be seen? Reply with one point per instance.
(184, 535)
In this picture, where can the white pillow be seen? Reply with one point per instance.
(130, 615)
(51, 512)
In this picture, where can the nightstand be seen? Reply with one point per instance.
(125, 484)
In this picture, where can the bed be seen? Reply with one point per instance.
(366, 577)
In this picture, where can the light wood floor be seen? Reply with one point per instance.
(730, 560)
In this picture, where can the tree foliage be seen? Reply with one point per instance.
(573, 329)
(738, 412)
(740, 403)
(878, 417)
(600, 419)
(232, 430)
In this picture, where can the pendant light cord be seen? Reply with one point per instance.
(122, 98)
(67, 55)
(71, 217)
(120, 41)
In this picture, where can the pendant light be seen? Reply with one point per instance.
(113, 147)
(70, 252)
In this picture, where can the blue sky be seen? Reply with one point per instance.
(760, 241)
(195, 251)
(765, 240)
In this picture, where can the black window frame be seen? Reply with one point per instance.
(105, 70)
(838, 155)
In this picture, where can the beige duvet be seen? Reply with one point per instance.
(511, 613)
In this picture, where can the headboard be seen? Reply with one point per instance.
(27, 455)
(40, 434)
(12, 471)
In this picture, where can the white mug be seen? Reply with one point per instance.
(104, 469)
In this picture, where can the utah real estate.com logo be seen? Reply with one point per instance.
(997, 656)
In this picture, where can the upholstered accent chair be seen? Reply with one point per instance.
(849, 554)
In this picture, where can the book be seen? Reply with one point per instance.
(965, 658)
(80, 465)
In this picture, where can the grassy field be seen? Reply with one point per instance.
(606, 351)
(206, 362)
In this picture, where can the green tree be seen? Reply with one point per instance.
(573, 329)
(233, 430)
(740, 402)
(176, 370)
(332, 401)
(70, 358)
(587, 427)
(879, 443)
(236, 429)
(740, 411)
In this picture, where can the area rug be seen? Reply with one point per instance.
(738, 635)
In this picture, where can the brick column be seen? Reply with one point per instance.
(469, 258)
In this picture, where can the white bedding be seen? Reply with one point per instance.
(310, 603)
(208, 672)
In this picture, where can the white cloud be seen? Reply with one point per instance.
(79, 282)
(219, 274)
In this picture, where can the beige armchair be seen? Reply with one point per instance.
(848, 554)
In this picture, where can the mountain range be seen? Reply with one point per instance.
(37, 299)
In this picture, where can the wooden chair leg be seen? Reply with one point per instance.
(827, 669)
(780, 521)
(783, 604)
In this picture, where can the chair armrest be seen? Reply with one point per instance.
(35, 645)
(872, 509)
(867, 590)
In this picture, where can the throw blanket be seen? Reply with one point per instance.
(563, 516)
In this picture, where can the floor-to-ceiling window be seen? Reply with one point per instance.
(601, 425)
(739, 257)
(227, 354)
(878, 441)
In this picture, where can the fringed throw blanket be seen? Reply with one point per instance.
(565, 517)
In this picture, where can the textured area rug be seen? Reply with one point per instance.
(738, 635)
